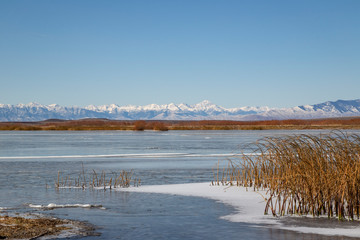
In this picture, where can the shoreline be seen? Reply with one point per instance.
(171, 125)
(249, 208)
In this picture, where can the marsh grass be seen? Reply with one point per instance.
(303, 174)
(94, 180)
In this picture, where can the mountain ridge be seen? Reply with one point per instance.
(204, 110)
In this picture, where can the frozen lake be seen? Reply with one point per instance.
(31, 160)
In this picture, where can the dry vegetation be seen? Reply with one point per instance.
(30, 228)
(304, 174)
(93, 180)
(140, 125)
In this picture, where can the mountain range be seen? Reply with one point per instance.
(204, 110)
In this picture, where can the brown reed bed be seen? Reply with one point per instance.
(303, 174)
(94, 180)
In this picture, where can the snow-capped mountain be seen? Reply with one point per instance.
(204, 110)
(200, 111)
(339, 108)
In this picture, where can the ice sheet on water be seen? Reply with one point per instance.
(129, 155)
(53, 206)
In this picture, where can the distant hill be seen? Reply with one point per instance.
(204, 110)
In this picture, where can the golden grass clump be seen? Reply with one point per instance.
(303, 174)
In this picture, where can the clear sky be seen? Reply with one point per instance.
(233, 53)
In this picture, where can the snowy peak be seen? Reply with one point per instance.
(337, 107)
(207, 106)
(340, 106)
(30, 105)
(329, 109)
(172, 107)
(204, 110)
(204, 104)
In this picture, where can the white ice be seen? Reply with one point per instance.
(53, 205)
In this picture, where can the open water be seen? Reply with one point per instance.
(30, 161)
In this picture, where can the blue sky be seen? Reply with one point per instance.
(233, 53)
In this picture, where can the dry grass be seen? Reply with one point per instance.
(93, 180)
(304, 174)
(30, 228)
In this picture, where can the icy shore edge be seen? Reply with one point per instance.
(249, 206)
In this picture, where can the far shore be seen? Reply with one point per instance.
(165, 125)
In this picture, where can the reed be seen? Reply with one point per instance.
(93, 180)
(303, 174)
